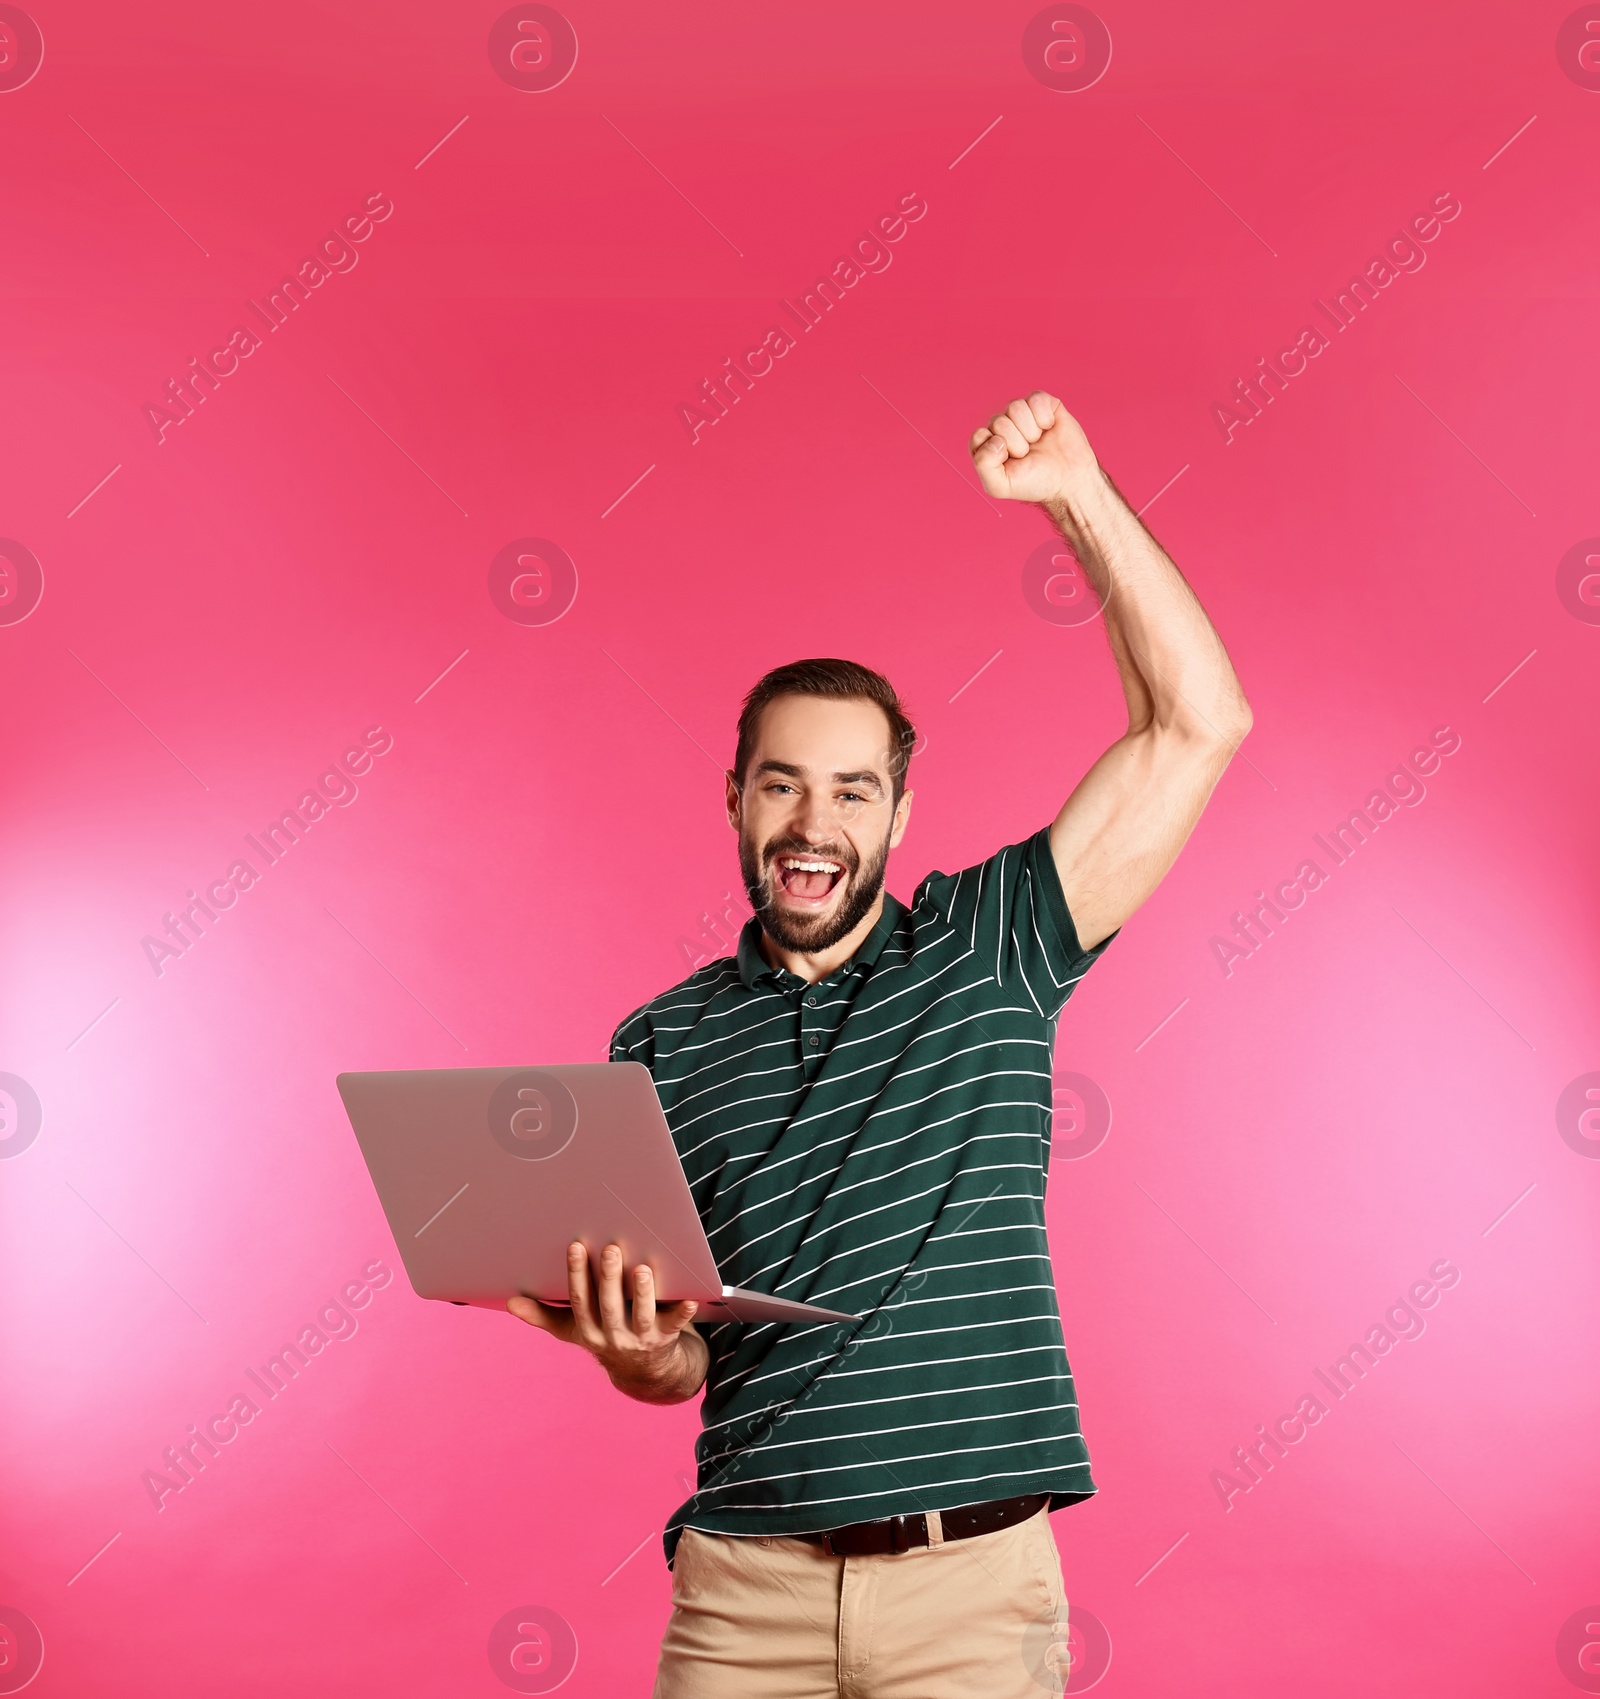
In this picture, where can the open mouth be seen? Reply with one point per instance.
(808, 880)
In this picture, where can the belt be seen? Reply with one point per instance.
(901, 1533)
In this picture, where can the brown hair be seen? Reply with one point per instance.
(842, 680)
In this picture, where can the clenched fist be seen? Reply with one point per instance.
(1034, 451)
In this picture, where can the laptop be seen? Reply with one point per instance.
(486, 1176)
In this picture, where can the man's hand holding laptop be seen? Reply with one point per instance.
(651, 1354)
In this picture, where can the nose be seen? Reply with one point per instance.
(817, 822)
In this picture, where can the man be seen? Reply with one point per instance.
(861, 1099)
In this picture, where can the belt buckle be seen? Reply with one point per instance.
(896, 1527)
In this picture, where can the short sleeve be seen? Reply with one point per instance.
(1012, 912)
(633, 1041)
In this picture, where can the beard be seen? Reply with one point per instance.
(810, 934)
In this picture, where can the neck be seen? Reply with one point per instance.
(812, 965)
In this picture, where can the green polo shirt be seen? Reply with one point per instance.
(878, 1142)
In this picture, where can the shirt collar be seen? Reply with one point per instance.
(754, 967)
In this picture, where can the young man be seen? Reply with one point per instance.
(861, 1099)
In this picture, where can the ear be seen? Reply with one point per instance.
(734, 798)
(902, 816)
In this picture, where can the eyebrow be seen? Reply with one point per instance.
(864, 777)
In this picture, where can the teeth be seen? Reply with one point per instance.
(810, 866)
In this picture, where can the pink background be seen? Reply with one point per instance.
(1367, 1094)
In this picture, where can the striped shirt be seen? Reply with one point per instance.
(878, 1142)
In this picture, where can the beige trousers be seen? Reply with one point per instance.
(759, 1618)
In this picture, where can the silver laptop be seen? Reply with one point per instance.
(488, 1174)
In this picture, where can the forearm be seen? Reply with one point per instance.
(674, 1380)
(1175, 672)
(1124, 823)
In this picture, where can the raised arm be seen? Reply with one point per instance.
(1122, 827)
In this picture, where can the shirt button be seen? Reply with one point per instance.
(815, 1040)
